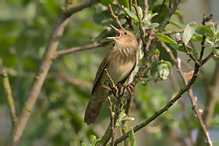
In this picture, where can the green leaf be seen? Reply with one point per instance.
(178, 13)
(155, 52)
(125, 3)
(83, 144)
(177, 24)
(140, 11)
(163, 71)
(128, 119)
(121, 116)
(197, 38)
(131, 14)
(189, 31)
(169, 64)
(204, 30)
(154, 66)
(181, 48)
(93, 138)
(153, 25)
(132, 137)
(166, 39)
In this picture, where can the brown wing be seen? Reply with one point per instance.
(100, 70)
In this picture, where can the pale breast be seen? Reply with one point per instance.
(119, 71)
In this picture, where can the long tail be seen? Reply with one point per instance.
(93, 110)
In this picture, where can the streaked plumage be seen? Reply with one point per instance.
(119, 62)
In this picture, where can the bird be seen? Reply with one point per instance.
(119, 62)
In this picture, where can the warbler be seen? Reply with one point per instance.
(119, 62)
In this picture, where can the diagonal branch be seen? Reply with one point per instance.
(190, 93)
(116, 17)
(162, 110)
(82, 48)
(8, 92)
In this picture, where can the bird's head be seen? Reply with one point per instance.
(124, 37)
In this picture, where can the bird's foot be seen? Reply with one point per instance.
(130, 87)
(114, 90)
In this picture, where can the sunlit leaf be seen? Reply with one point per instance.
(197, 38)
(189, 31)
(166, 39)
(131, 14)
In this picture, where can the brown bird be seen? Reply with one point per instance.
(119, 62)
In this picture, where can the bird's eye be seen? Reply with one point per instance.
(125, 33)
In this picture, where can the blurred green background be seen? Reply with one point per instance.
(57, 118)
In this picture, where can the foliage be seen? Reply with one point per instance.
(57, 118)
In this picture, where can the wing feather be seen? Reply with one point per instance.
(100, 70)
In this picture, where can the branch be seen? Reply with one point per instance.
(41, 73)
(142, 32)
(145, 8)
(75, 9)
(210, 104)
(111, 120)
(116, 17)
(205, 19)
(86, 47)
(73, 81)
(179, 41)
(150, 38)
(8, 92)
(208, 57)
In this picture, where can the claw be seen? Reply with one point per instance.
(128, 86)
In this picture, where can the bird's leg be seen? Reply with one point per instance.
(129, 87)
(113, 90)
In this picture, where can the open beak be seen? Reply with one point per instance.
(117, 33)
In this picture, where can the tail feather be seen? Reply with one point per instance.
(92, 112)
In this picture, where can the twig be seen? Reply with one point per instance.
(116, 17)
(208, 57)
(145, 8)
(179, 41)
(150, 38)
(205, 19)
(73, 81)
(8, 92)
(75, 9)
(112, 84)
(142, 32)
(210, 104)
(82, 48)
(111, 120)
(43, 69)
(183, 105)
